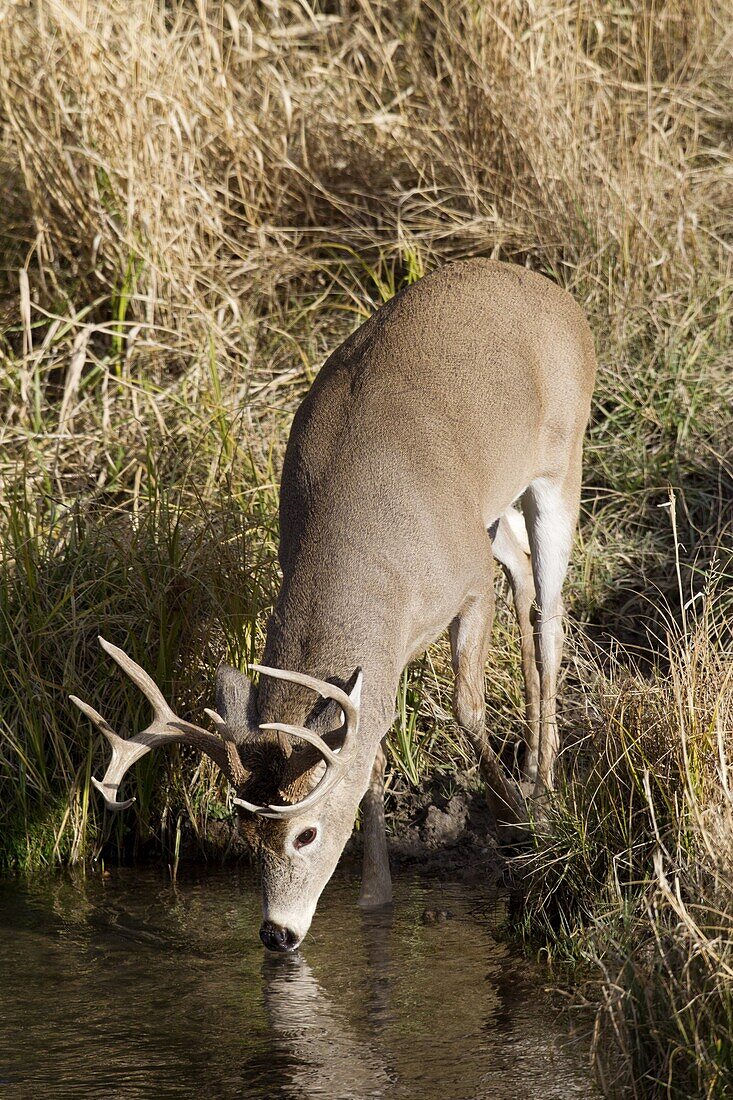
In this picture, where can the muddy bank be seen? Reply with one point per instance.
(445, 827)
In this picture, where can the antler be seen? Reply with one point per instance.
(165, 729)
(337, 762)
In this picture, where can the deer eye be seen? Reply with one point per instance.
(306, 837)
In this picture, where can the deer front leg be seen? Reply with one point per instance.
(376, 882)
(470, 635)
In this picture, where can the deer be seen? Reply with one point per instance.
(466, 394)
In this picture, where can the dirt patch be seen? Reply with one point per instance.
(445, 827)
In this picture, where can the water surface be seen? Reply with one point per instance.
(134, 986)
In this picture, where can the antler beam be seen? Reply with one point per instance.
(337, 763)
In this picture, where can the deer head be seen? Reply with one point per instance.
(307, 779)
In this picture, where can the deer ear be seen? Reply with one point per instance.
(236, 702)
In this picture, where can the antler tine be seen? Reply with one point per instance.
(336, 762)
(224, 732)
(321, 788)
(165, 729)
(140, 679)
(349, 706)
(306, 735)
(124, 755)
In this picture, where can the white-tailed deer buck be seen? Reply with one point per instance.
(467, 392)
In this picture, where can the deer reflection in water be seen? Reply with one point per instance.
(442, 1012)
(320, 1052)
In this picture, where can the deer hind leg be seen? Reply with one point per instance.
(376, 882)
(551, 513)
(470, 636)
(512, 553)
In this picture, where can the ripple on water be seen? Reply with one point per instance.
(136, 987)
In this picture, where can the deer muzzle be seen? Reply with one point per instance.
(277, 938)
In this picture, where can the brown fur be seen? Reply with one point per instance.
(468, 390)
(419, 431)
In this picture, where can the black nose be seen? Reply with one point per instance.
(276, 938)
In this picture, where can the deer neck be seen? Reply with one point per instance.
(327, 631)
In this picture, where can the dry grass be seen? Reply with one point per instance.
(199, 201)
(633, 884)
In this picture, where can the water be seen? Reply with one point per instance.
(132, 986)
